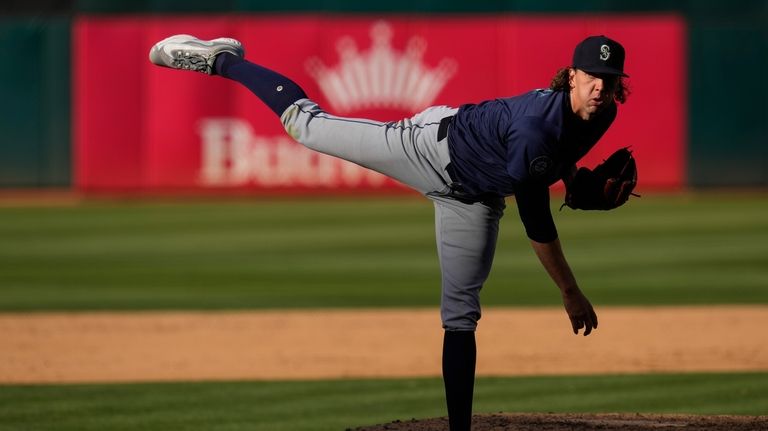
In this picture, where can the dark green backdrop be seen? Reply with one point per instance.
(728, 47)
(35, 112)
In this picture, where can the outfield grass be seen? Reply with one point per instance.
(686, 249)
(337, 405)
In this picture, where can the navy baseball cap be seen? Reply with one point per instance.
(599, 54)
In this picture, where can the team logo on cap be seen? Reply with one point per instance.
(605, 52)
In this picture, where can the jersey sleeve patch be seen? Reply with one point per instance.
(540, 166)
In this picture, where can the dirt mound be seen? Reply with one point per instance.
(584, 422)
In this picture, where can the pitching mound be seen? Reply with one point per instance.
(585, 422)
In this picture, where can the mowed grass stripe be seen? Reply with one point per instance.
(338, 405)
(685, 249)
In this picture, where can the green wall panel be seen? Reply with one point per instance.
(20, 128)
(35, 127)
(56, 165)
(728, 110)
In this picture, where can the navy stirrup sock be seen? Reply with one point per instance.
(459, 357)
(274, 89)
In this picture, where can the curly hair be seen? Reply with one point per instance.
(561, 82)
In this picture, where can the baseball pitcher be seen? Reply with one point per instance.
(466, 159)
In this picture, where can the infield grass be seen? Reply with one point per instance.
(244, 254)
(338, 405)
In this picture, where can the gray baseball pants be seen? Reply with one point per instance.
(409, 152)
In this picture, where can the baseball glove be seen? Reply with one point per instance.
(605, 187)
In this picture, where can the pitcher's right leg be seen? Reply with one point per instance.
(406, 151)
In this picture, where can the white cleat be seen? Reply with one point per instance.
(186, 52)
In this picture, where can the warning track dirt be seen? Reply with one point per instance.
(323, 344)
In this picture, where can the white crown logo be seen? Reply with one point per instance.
(381, 77)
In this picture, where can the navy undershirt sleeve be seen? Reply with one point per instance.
(533, 207)
(274, 89)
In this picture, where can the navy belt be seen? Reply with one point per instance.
(457, 190)
(442, 131)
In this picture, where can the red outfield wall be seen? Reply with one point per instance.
(141, 128)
